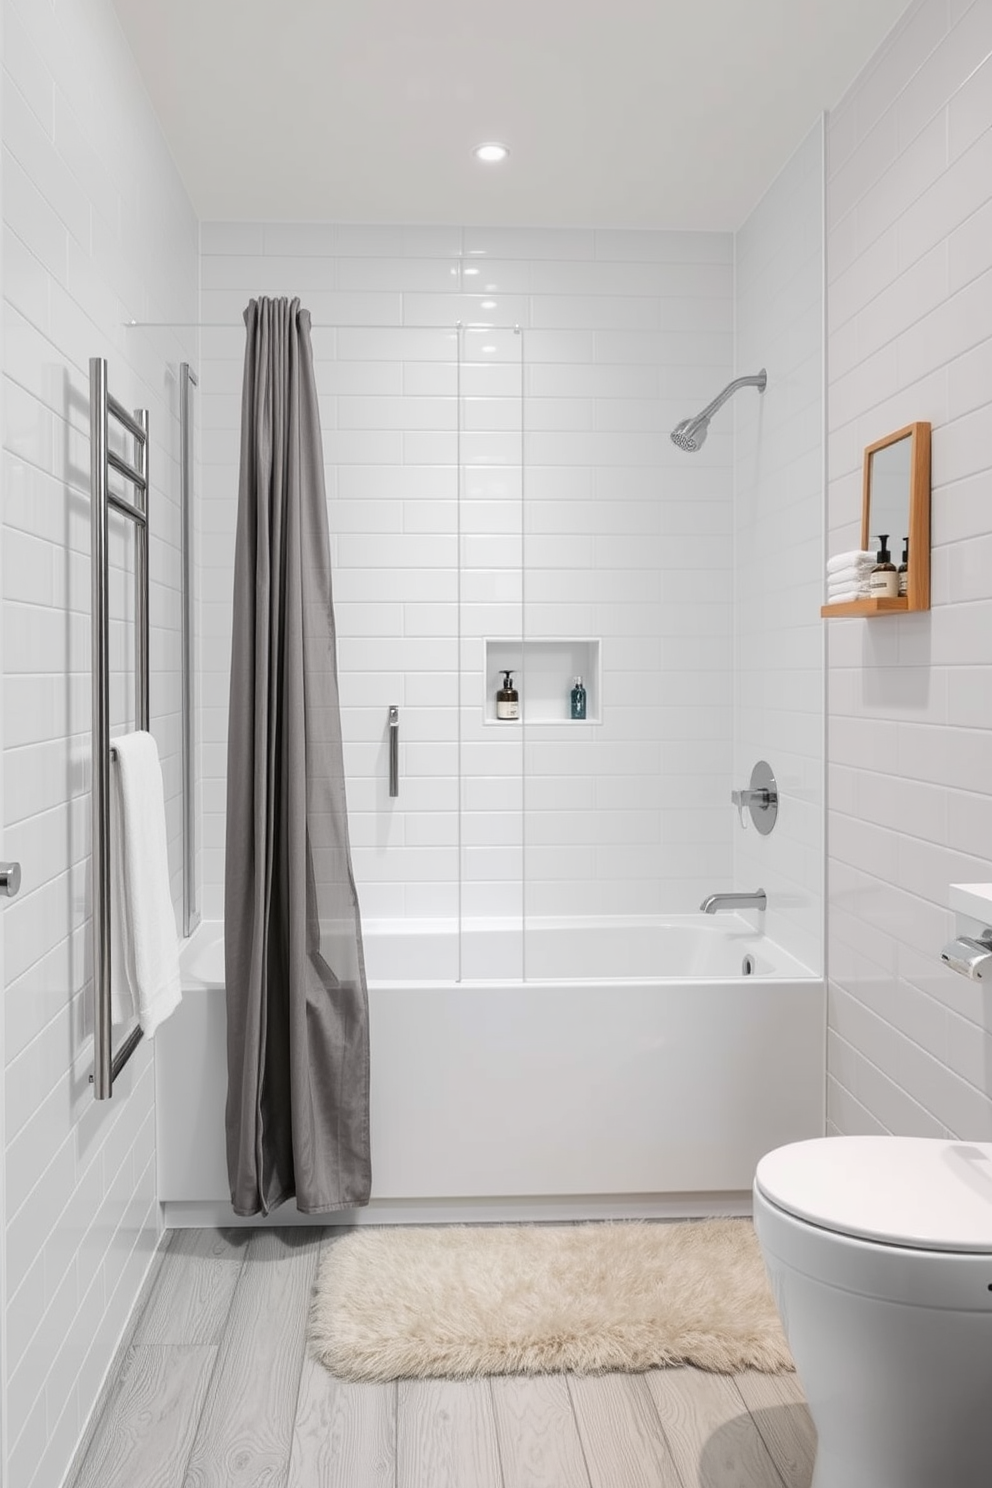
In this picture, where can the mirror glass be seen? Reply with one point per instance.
(888, 495)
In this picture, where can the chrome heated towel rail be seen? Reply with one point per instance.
(106, 1064)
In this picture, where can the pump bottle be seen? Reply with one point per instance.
(903, 569)
(507, 698)
(883, 581)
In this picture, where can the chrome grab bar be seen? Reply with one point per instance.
(394, 750)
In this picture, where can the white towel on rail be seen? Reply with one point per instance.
(855, 559)
(144, 945)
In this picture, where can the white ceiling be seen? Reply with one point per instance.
(619, 113)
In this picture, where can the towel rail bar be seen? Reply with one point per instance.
(126, 508)
(131, 422)
(191, 908)
(128, 471)
(107, 1065)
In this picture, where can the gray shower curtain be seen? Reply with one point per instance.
(297, 1006)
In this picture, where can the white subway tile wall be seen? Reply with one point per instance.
(500, 482)
(909, 259)
(97, 230)
(778, 517)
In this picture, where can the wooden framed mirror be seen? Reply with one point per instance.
(896, 503)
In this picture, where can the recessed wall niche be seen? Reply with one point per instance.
(543, 674)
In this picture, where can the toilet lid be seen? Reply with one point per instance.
(919, 1192)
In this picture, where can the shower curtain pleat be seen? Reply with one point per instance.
(297, 1004)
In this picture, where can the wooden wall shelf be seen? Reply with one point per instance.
(895, 499)
(896, 605)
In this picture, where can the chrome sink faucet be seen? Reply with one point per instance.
(757, 900)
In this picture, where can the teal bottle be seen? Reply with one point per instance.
(578, 700)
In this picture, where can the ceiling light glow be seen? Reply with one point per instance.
(491, 152)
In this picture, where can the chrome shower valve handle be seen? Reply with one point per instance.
(760, 798)
(749, 798)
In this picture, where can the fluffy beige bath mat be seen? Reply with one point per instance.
(463, 1300)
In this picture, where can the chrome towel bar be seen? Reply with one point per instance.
(394, 750)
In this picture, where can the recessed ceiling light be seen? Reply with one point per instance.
(491, 153)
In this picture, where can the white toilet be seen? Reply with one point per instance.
(879, 1252)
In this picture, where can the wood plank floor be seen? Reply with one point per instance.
(215, 1388)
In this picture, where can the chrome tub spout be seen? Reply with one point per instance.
(757, 900)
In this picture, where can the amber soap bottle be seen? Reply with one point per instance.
(883, 581)
(507, 699)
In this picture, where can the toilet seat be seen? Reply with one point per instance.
(879, 1255)
(915, 1192)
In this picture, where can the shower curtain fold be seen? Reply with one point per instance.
(297, 1004)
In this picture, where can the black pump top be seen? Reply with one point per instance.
(883, 550)
(507, 681)
(905, 550)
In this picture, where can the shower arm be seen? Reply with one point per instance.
(757, 379)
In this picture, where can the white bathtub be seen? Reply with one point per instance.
(637, 1070)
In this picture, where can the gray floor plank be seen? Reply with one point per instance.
(245, 1434)
(252, 1412)
(345, 1434)
(112, 1381)
(147, 1432)
(780, 1413)
(622, 1438)
(194, 1287)
(446, 1435)
(713, 1438)
(539, 1440)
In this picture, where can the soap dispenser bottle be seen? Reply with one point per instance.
(507, 698)
(577, 700)
(903, 569)
(883, 581)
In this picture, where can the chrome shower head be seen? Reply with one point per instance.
(690, 434)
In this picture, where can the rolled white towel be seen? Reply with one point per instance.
(849, 576)
(858, 558)
(849, 591)
(849, 580)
